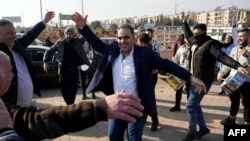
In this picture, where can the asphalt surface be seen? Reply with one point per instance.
(173, 125)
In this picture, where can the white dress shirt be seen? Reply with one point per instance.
(25, 85)
(124, 76)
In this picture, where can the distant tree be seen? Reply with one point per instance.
(128, 21)
(248, 22)
(167, 22)
(177, 22)
(113, 27)
(95, 24)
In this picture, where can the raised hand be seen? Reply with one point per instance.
(79, 20)
(48, 16)
(185, 17)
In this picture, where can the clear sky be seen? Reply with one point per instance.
(30, 10)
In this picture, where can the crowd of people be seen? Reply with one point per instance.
(127, 73)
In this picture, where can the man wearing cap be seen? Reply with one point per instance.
(70, 56)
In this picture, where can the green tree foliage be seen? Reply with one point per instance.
(248, 22)
(95, 24)
(113, 27)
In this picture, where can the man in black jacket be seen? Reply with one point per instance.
(24, 83)
(71, 55)
(204, 53)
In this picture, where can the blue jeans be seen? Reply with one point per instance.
(194, 111)
(134, 130)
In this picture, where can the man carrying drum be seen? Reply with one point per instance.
(240, 53)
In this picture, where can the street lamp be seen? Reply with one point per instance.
(41, 9)
(82, 7)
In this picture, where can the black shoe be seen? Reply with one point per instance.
(228, 121)
(175, 108)
(84, 97)
(202, 133)
(93, 96)
(189, 137)
(222, 93)
(154, 125)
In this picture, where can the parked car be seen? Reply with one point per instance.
(108, 40)
(49, 79)
(35, 42)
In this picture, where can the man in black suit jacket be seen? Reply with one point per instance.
(126, 67)
(24, 82)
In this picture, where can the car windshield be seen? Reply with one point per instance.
(35, 42)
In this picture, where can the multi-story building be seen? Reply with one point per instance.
(219, 21)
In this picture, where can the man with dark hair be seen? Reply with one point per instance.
(205, 51)
(156, 48)
(240, 53)
(71, 55)
(155, 45)
(125, 66)
(143, 40)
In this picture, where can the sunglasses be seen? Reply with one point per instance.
(123, 37)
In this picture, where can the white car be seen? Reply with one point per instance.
(35, 42)
(108, 40)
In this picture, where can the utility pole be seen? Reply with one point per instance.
(41, 9)
(234, 13)
(82, 4)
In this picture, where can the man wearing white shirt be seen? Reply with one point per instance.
(24, 82)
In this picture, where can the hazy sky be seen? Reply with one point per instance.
(30, 10)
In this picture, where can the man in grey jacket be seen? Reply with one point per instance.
(71, 55)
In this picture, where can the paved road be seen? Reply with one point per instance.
(173, 125)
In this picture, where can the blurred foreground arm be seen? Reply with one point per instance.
(6, 126)
(35, 124)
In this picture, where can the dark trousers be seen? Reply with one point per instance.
(117, 128)
(224, 77)
(178, 94)
(154, 117)
(242, 92)
(85, 80)
(68, 80)
(235, 103)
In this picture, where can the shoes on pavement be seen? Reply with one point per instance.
(189, 137)
(93, 95)
(228, 121)
(84, 97)
(222, 92)
(175, 108)
(154, 125)
(202, 133)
